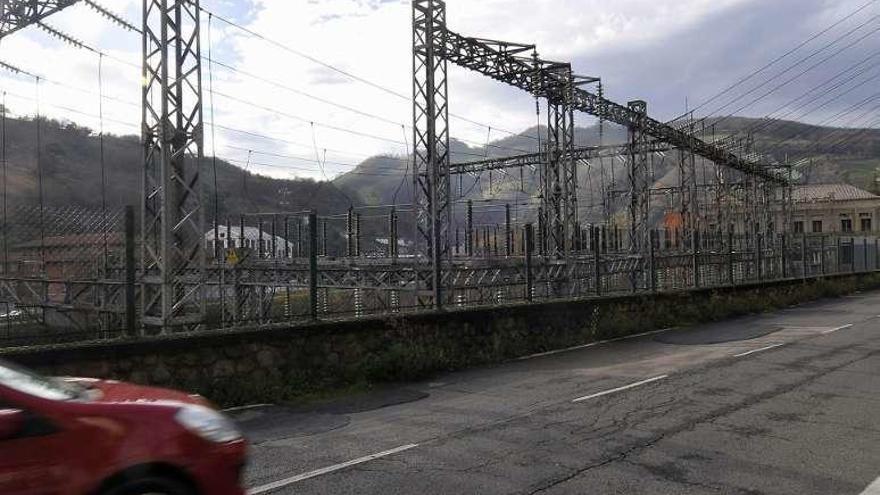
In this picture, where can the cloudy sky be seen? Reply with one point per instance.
(279, 104)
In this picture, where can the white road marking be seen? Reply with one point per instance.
(329, 469)
(245, 408)
(762, 349)
(832, 330)
(873, 488)
(557, 351)
(621, 389)
(591, 344)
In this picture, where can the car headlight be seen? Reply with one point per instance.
(207, 423)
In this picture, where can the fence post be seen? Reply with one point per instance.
(357, 235)
(804, 257)
(287, 250)
(216, 238)
(260, 240)
(822, 262)
(837, 265)
(757, 257)
(652, 274)
(469, 234)
(274, 233)
(299, 237)
(349, 233)
(130, 313)
(241, 237)
(865, 252)
(852, 257)
(730, 271)
(597, 251)
(323, 238)
(508, 234)
(542, 232)
(529, 247)
(313, 265)
(695, 240)
(784, 257)
(392, 238)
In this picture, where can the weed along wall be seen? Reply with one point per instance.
(280, 364)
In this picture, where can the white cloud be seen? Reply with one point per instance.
(369, 38)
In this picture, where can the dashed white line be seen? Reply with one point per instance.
(621, 389)
(557, 351)
(762, 349)
(329, 469)
(591, 344)
(842, 327)
(873, 488)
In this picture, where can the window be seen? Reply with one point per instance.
(817, 226)
(846, 225)
(866, 225)
(799, 227)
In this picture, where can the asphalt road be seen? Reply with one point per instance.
(779, 403)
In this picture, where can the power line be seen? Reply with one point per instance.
(773, 121)
(343, 72)
(783, 56)
(70, 40)
(798, 75)
(305, 120)
(113, 17)
(17, 70)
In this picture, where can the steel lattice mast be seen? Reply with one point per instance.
(639, 174)
(173, 255)
(435, 44)
(431, 147)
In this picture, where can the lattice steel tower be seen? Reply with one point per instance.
(173, 255)
(431, 147)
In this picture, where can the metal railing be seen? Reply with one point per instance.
(71, 274)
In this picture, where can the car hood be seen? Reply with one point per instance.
(111, 391)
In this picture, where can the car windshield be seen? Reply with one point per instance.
(29, 382)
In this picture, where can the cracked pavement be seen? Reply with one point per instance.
(796, 419)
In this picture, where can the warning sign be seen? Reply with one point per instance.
(232, 257)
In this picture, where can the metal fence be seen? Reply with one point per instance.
(71, 274)
(61, 274)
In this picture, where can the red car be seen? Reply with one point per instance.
(100, 437)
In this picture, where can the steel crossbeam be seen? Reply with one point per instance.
(18, 14)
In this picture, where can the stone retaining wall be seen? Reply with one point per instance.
(278, 364)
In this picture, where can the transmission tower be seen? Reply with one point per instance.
(431, 147)
(639, 170)
(173, 255)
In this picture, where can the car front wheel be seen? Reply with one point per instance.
(151, 486)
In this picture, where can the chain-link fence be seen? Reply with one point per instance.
(61, 274)
(72, 274)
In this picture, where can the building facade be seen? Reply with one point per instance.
(832, 208)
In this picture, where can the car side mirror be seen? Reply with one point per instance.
(11, 422)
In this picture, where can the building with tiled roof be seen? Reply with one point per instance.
(830, 193)
(833, 208)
